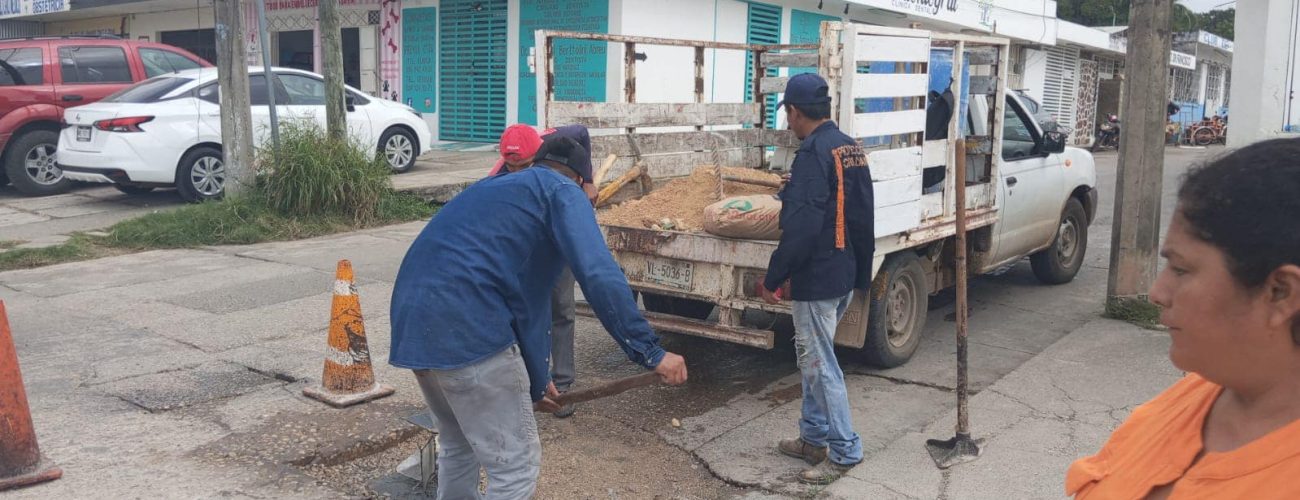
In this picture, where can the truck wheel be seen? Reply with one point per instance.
(687, 308)
(899, 303)
(29, 164)
(1060, 262)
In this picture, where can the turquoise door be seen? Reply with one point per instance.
(472, 75)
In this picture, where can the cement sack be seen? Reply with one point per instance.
(754, 217)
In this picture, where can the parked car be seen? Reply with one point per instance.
(41, 76)
(166, 131)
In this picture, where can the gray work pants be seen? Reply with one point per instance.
(484, 418)
(562, 370)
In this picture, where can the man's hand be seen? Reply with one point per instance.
(672, 369)
(768, 296)
(548, 404)
(591, 191)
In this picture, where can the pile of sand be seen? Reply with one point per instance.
(683, 200)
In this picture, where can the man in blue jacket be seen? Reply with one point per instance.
(826, 247)
(519, 143)
(471, 310)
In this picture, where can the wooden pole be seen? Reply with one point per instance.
(236, 112)
(963, 415)
(331, 33)
(1135, 236)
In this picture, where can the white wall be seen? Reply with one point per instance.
(1259, 90)
(153, 23)
(1035, 74)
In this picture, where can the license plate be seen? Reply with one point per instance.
(674, 273)
(83, 134)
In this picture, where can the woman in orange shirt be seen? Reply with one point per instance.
(1230, 294)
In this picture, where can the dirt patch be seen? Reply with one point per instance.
(586, 456)
(683, 200)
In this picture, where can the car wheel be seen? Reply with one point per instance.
(201, 175)
(132, 189)
(399, 149)
(1060, 262)
(687, 308)
(30, 166)
(899, 302)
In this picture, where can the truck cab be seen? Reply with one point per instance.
(1040, 184)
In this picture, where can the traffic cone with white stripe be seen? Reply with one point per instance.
(21, 463)
(348, 378)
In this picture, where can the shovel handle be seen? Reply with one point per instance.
(609, 389)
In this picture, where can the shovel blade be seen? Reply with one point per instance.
(949, 452)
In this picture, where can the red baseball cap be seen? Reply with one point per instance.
(519, 141)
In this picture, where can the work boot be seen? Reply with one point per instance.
(797, 448)
(824, 473)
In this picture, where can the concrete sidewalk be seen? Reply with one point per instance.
(1054, 409)
(441, 175)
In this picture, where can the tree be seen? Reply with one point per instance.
(1115, 13)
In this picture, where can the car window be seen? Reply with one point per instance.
(21, 66)
(303, 90)
(158, 62)
(257, 91)
(150, 90)
(94, 65)
(1018, 135)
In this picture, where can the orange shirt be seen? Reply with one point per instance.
(1159, 442)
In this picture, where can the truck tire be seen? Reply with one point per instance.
(29, 164)
(686, 308)
(899, 303)
(1060, 262)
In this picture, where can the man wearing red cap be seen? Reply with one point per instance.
(519, 144)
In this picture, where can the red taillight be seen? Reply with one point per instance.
(131, 124)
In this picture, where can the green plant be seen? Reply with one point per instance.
(311, 174)
(1136, 310)
(79, 247)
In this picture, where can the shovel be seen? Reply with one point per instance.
(960, 448)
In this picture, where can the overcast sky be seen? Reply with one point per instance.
(1205, 5)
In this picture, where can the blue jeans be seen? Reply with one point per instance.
(827, 419)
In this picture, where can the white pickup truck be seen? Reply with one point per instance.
(1027, 194)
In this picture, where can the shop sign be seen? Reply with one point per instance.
(23, 8)
(1181, 60)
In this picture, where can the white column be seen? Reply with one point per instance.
(1259, 67)
(1203, 74)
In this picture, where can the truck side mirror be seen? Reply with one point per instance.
(1053, 142)
(350, 102)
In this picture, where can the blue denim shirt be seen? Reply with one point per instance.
(478, 278)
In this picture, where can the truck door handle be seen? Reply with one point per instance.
(72, 98)
(1011, 181)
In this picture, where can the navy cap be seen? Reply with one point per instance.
(806, 88)
(568, 152)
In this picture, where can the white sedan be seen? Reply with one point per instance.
(166, 131)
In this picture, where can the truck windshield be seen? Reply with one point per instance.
(150, 90)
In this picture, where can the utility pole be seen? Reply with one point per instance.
(332, 67)
(1135, 236)
(265, 43)
(236, 113)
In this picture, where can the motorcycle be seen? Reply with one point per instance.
(1107, 134)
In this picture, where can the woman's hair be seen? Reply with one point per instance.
(1247, 203)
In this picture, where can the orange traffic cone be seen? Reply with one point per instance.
(21, 463)
(348, 378)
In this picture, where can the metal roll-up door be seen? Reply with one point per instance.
(472, 73)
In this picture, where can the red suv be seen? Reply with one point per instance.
(41, 76)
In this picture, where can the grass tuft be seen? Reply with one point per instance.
(1136, 310)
